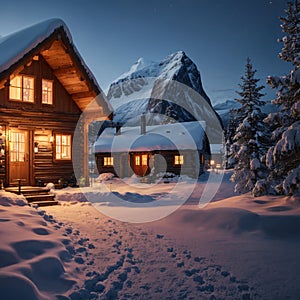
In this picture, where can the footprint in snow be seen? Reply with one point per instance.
(40, 231)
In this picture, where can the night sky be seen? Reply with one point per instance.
(217, 35)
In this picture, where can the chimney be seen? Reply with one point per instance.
(143, 124)
(118, 128)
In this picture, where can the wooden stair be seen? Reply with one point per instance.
(35, 195)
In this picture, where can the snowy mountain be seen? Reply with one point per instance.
(150, 87)
(224, 108)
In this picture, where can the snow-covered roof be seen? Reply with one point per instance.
(177, 136)
(15, 45)
(216, 148)
(21, 45)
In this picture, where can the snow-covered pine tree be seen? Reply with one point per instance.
(249, 145)
(229, 133)
(283, 158)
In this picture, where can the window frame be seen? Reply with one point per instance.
(68, 146)
(22, 89)
(137, 160)
(141, 159)
(144, 159)
(178, 160)
(17, 147)
(108, 161)
(47, 91)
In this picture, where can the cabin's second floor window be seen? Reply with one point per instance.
(47, 91)
(108, 161)
(22, 89)
(178, 160)
(63, 146)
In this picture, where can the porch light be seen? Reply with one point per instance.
(36, 148)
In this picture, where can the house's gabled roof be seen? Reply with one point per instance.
(176, 136)
(52, 40)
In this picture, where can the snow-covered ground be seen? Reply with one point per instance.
(236, 247)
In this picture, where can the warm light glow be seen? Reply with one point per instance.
(178, 160)
(15, 88)
(108, 161)
(141, 160)
(22, 88)
(47, 91)
(17, 146)
(51, 139)
(63, 146)
(212, 162)
(137, 160)
(144, 160)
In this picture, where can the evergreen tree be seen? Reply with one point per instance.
(229, 133)
(283, 158)
(249, 146)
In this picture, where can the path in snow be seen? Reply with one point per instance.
(128, 261)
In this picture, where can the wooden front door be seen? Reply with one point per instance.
(140, 164)
(18, 156)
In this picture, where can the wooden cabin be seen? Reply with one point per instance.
(45, 86)
(179, 148)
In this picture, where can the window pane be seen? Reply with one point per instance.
(63, 146)
(17, 147)
(47, 94)
(28, 89)
(145, 160)
(178, 160)
(15, 88)
(108, 161)
(137, 161)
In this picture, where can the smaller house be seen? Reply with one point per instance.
(217, 156)
(178, 148)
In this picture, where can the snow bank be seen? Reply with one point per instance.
(9, 199)
(218, 252)
(36, 253)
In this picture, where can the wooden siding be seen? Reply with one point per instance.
(45, 167)
(163, 162)
(121, 167)
(62, 101)
(3, 161)
(41, 121)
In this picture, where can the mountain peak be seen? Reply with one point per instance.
(139, 90)
(176, 55)
(176, 66)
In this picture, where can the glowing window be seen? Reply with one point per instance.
(47, 91)
(17, 147)
(144, 160)
(28, 89)
(22, 89)
(138, 160)
(63, 146)
(15, 89)
(178, 160)
(108, 161)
